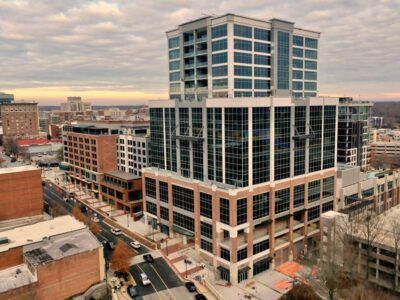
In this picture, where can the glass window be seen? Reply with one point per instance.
(308, 75)
(328, 186)
(298, 40)
(311, 65)
(244, 58)
(243, 71)
(219, 31)
(297, 85)
(242, 254)
(313, 213)
(183, 198)
(243, 31)
(314, 190)
(225, 254)
(150, 185)
(311, 43)
(163, 187)
(297, 52)
(174, 54)
(297, 74)
(241, 211)
(241, 94)
(206, 205)
(311, 54)
(206, 230)
(174, 88)
(183, 221)
(262, 47)
(175, 76)
(282, 200)
(283, 60)
(224, 211)
(262, 60)
(282, 143)
(260, 206)
(241, 83)
(220, 71)
(219, 58)
(262, 84)
(262, 34)
(262, 72)
(219, 45)
(262, 94)
(310, 86)
(220, 83)
(206, 245)
(297, 63)
(164, 213)
(173, 42)
(243, 45)
(260, 247)
(150, 208)
(174, 65)
(298, 195)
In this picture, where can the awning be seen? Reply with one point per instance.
(244, 269)
(221, 268)
(183, 231)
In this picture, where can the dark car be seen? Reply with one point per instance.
(190, 286)
(148, 258)
(132, 291)
(84, 209)
(200, 297)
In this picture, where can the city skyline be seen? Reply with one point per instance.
(111, 50)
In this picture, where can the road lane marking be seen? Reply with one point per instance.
(150, 283)
(159, 276)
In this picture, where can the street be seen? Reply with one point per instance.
(165, 283)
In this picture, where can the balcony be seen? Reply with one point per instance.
(201, 52)
(189, 77)
(188, 54)
(189, 90)
(189, 66)
(202, 89)
(202, 64)
(188, 42)
(281, 241)
(201, 76)
(201, 39)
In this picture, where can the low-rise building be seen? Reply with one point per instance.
(53, 259)
(20, 192)
(382, 188)
(123, 191)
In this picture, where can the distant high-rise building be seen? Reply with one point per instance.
(75, 104)
(20, 119)
(236, 56)
(353, 132)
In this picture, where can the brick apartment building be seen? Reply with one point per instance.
(20, 192)
(90, 151)
(46, 260)
(123, 191)
(20, 119)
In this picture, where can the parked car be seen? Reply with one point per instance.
(190, 286)
(132, 291)
(116, 231)
(84, 209)
(148, 258)
(145, 279)
(134, 244)
(200, 297)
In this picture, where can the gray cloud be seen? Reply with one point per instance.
(120, 45)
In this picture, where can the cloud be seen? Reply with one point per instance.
(120, 46)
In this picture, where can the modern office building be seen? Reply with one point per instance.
(133, 149)
(20, 192)
(353, 132)
(46, 260)
(246, 179)
(75, 104)
(20, 119)
(236, 56)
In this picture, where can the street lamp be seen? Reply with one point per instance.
(187, 262)
(166, 243)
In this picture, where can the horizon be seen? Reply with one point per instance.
(108, 51)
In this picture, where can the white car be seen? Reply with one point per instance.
(145, 279)
(135, 245)
(116, 231)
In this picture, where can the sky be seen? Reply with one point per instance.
(115, 52)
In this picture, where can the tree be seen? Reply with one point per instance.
(94, 227)
(121, 257)
(10, 145)
(301, 292)
(49, 136)
(394, 233)
(76, 212)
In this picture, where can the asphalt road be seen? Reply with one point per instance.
(162, 277)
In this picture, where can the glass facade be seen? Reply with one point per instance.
(261, 144)
(329, 137)
(316, 138)
(157, 137)
(299, 142)
(236, 146)
(219, 31)
(282, 143)
(283, 60)
(260, 206)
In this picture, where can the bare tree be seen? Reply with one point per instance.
(11, 146)
(394, 233)
(121, 257)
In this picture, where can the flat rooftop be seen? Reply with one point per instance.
(123, 175)
(17, 169)
(15, 277)
(35, 233)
